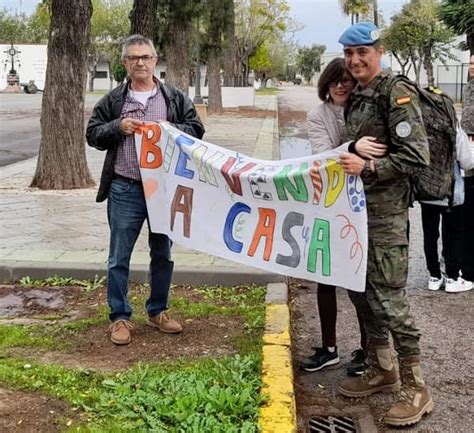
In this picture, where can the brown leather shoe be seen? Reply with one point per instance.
(164, 323)
(120, 332)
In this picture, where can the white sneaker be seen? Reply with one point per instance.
(464, 285)
(435, 283)
(454, 286)
(451, 285)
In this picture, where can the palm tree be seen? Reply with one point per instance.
(355, 8)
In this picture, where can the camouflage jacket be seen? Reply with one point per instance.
(401, 128)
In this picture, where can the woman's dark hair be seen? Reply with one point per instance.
(333, 73)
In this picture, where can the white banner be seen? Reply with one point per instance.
(302, 217)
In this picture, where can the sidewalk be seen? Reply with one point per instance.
(43, 233)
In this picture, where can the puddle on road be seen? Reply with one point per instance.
(294, 147)
(14, 304)
(293, 141)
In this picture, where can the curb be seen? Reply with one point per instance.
(279, 414)
(218, 275)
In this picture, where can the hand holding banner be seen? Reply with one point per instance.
(302, 217)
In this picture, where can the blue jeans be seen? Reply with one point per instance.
(126, 212)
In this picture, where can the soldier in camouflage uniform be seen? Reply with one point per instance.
(384, 306)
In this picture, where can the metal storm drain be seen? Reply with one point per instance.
(331, 424)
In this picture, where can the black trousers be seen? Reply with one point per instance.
(452, 232)
(467, 261)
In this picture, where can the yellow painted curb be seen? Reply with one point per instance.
(279, 413)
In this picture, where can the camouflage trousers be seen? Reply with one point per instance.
(384, 307)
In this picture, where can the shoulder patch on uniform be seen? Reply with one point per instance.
(403, 129)
(402, 100)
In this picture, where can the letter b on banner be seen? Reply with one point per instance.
(150, 156)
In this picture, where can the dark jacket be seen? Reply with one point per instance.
(103, 131)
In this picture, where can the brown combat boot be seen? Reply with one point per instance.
(415, 399)
(381, 376)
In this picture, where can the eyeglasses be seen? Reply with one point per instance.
(345, 82)
(144, 59)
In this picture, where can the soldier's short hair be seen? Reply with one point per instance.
(333, 73)
(137, 40)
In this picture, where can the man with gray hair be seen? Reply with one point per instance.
(111, 127)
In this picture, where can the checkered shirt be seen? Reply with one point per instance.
(126, 163)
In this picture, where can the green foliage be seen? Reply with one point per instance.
(118, 71)
(459, 16)
(80, 387)
(13, 28)
(267, 91)
(210, 395)
(416, 34)
(220, 395)
(57, 281)
(194, 395)
(24, 336)
(308, 60)
(354, 8)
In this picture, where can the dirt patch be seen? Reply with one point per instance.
(246, 112)
(31, 412)
(287, 117)
(19, 114)
(94, 351)
(91, 348)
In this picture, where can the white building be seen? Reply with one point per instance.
(30, 64)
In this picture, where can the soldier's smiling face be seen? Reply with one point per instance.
(363, 62)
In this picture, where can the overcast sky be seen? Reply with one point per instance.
(322, 19)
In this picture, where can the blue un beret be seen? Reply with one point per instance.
(360, 34)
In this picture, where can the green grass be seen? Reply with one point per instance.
(189, 395)
(211, 395)
(267, 91)
(25, 336)
(56, 281)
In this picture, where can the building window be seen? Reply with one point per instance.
(100, 74)
(162, 75)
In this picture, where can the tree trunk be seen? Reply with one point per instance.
(177, 56)
(111, 78)
(143, 18)
(428, 65)
(376, 13)
(416, 63)
(214, 85)
(229, 46)
(62, 160)
(91, 75)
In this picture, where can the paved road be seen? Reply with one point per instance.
(293, 104)
(20, 133)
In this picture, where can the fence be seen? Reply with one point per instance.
(452, 79)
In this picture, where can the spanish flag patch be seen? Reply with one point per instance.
(403, 100)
